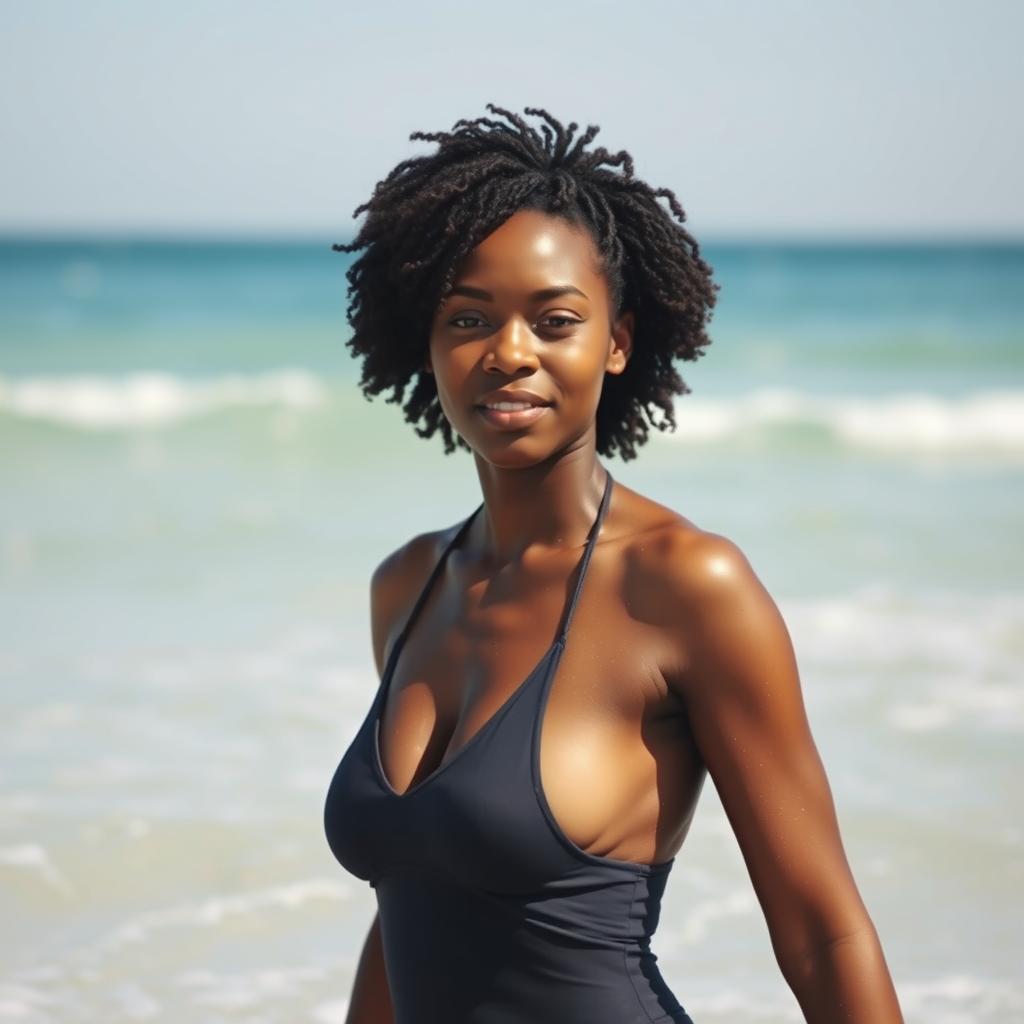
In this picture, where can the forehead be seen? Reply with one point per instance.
(535, 246)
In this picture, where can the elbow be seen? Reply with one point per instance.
(799, 960)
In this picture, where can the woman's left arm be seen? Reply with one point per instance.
(740, 682)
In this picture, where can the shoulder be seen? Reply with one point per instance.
(397, 570)
(674, 558)
(397, 580)
(702, 592)
(734, 666)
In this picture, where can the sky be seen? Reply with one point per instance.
(816, 118)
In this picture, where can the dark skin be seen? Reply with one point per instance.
(678, 662)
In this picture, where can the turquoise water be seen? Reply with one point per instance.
(194, 496)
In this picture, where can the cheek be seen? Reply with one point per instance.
(452, 369)
(578, 370)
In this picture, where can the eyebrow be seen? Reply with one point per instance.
(538, 296)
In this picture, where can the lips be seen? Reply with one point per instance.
(512, 408)
(518, 397)
(513, 418)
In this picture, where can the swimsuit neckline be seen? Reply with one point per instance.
(555, 647)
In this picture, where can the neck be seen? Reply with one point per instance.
(538, 506)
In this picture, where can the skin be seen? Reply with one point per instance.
(678, 662)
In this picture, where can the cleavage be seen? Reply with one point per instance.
(440, 718)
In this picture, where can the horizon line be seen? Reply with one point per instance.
(264, 236)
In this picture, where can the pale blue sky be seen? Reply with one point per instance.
(784, 117)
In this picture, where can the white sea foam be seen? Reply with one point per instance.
(986, 420)
(250, 989)
(34, 858)
(877, 625)
(26, 1004)
(955, 998)
(917, 422)
(737, 1006)
(216, 910)
(134, 1002)
(151, 399)
(957, 656)
(329, 1013)
(703, 914)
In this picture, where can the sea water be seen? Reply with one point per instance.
(194, 493)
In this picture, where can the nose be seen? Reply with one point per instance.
(512, 346)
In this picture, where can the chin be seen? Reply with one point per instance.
(510, 452)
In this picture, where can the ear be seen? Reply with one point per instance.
(621, 347)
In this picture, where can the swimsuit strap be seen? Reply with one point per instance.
(434, 573)
(461, 532)
(585, 560)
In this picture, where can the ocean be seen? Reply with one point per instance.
(195, 492)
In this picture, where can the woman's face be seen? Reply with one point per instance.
(528, 312)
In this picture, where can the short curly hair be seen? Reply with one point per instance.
(431, 211)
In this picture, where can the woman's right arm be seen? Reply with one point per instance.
(370, 1002)
(390, 588)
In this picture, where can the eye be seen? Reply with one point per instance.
(561, 322)
(455, 321)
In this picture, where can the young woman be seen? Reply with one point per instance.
(532, 760)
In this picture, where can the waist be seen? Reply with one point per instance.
(455, 954)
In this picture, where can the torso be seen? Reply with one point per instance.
(619, 767)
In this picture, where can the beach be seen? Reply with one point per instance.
(195, 494)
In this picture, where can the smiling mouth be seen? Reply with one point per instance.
(511, 406)
(511, 415)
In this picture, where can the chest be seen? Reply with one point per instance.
(593, 709)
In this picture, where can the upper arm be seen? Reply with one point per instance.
(385, 601)
(742, 689)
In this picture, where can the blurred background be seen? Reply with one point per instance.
(194, 492)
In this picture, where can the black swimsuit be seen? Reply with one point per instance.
(489, 913)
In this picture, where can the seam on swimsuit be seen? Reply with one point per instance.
(668, 1015)
(625, 957)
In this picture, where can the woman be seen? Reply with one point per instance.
(519, 790)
